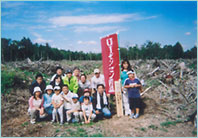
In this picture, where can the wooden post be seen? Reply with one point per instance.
(118, 96)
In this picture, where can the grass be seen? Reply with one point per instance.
(169, 123)
(163, 129)
(151, 82)
(24, 124)
(153, 127)
(97, 135)
(57, 130)
(143, 129)
(80, 132)
(194, 132)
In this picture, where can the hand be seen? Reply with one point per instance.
(88, 121)
(69, 112)
(97, 112)
(108, 95)
(41, 111)
(131, 86)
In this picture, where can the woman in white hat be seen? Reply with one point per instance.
(48, 101)
(36, 109)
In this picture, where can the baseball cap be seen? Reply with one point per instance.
(130, 72)
(57, 88)
(96, 71)
(68, 71)
(75, 96)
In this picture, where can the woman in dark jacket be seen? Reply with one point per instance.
(57, 81)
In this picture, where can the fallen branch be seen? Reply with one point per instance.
(156, 69)
(145, 91)
(163, 84)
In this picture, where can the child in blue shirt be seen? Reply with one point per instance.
(48, 100)
(133, 86)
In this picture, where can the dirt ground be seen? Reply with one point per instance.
(15, 122)
(147, 125)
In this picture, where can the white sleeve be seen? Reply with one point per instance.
(53, 77)
(103, 80)
(78, 107)
(92, 83)
(61, 98)
(83, 107)
(91, 107)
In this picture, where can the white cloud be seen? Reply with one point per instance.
(42, 41)
(39, 39)
(87, 42)
(96, 19)
(99, 29)
(188, 33)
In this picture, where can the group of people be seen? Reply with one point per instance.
(71, 97)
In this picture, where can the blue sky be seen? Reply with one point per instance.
(78, 26)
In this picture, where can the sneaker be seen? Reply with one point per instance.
(132, 116)
(61, 123)
(43, 116)
(52, 121)
(136, 116)
(32, 121)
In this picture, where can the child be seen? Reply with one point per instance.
(86, 93)
(36, 105)
(57, 102)
(133, 88)
(87, 111)
(75, 108)
(67, 97)
(48, 100)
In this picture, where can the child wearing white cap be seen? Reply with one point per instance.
(133, 86)
(36, 105)
(74, 111)
(57, 102)
(48, 100)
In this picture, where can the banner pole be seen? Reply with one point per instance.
(119, 52)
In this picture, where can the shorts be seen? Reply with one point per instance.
(134, 103)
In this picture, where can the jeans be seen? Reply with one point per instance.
(106, 112)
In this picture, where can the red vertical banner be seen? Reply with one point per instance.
(110, 60)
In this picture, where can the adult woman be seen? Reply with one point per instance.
(125, 67)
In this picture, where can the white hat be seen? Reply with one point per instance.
(49, 87)
(75, 96)
(130, 72)
(37, 89)
(57, 88)
(96, 71)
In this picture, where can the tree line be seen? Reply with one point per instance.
(13, 50)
